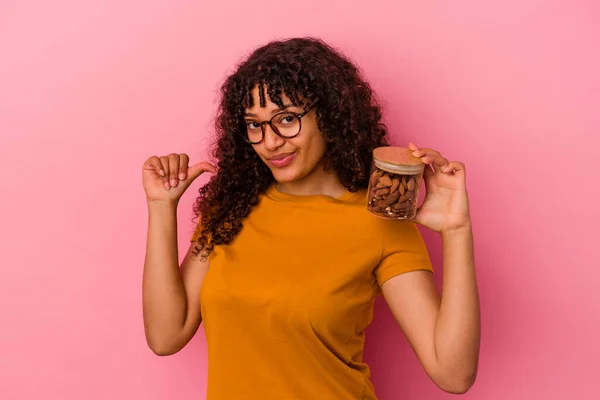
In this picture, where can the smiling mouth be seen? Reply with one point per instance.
(280, 156)
(282, 160)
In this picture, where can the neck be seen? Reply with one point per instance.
(318, 182)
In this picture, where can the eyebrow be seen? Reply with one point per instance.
(275, 111)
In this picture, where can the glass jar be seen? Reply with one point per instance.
(394, 184)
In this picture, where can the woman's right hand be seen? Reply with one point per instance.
(166, 178)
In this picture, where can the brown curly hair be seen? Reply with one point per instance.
(306, 70)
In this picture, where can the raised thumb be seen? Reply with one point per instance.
(196, 170)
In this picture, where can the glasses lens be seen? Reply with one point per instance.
(287, 124)
(254, 132)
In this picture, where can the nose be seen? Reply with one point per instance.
(272, 140)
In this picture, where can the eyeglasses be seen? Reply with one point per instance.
(285, 124)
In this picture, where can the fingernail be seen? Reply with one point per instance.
(173, 182)
(162, 173)
(182, 176)
(167, 186)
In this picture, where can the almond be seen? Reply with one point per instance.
(391, 198)
(385, 180)
(375, 176)
(407, 196)
(382, 192)
(400, 205)
(392, 195)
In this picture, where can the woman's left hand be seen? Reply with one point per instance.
(446, 204)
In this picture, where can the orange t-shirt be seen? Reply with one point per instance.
(285, 304)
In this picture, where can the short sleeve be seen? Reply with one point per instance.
(403, 250)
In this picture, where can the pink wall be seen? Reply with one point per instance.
(88, 90)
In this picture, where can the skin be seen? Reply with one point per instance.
(444, 331)
(305, 175)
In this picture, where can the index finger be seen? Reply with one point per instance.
(154, 163)
(430, 156)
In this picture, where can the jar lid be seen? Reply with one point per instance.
(397, 159)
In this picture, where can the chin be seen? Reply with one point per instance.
(286, 175)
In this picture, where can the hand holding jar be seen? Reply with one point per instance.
(395, 182)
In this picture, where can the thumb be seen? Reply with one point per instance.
(196, 170)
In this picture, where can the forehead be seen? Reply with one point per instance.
(269, 104)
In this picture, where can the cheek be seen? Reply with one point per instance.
(315, 147)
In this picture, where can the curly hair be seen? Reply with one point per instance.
(306, 70)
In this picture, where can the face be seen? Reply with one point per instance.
(289, 159)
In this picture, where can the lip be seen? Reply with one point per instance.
(282, 160)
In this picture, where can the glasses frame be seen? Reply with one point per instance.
(270, 123)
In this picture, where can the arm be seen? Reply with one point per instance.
(171, 294)
(444, 332)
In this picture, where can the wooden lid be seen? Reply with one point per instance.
(399, 156)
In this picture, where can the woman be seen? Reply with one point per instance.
(286, 262)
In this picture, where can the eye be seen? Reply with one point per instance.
(287, 119)
(252, 125)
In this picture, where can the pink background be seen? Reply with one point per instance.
(89, 90)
